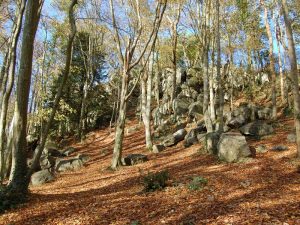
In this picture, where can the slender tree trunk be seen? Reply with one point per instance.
(206, 112)
(220, 86)
(211, 84)
(7, 88)
(293, 74)
(117, 152)
(18, 182)
(272, 63)
(65, 75)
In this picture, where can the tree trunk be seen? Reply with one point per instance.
(65, 75)
(7, 88)
(293, 74)
(117, 153)
(272, 64)
(220, 86)
(18, 182)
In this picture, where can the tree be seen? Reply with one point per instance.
(19, 182)
(294, 72)
(65, 75)
(126, 58)
(272, 61)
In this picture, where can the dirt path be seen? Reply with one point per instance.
(265, 190)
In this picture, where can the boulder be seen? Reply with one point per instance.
(291, 138)
(264, 113)
(47, 162)
(261, 149)
(68, 164)
(232, 147)
(173, 139)
(191, 137)
(68, 151)
(195, 109)
(83, 157)
(41, 177)
(280, 148)
(257, 128)
(181, 105)
(134, 159)
(157, 148)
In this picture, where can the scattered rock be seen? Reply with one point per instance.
(280, 148)
(264, 113)
(261, 149)
(134, 159)
(245, 184)
(181, 105)
(68, 164)
(157, 148)
(291, 138)
(257, 128)
(232, 147)
(41, 177)
(195, 109)
(47, 162)
(68, 151)
(84, 158)
(173, 139)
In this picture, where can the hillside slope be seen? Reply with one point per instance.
(264, 190)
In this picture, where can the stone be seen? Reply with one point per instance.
(232, 147)
(261, 149)
(68, 164)
(181, 105)
(195, 109)
(68, 151)
(157, 148)
(211, 142)
(201, 137)
(173, 139)
(291, 138)
(279, 148)
(257, 128)
(191, 137)
(47, 162)
(264, 113)
(83, 157)
(41, 177)
(134, 159)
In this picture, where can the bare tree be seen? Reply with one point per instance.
(18, 181)
(126, 57)
(294, 72)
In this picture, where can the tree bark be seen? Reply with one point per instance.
(65, 75)
(293, 74)
(18, 182)
(7, 88)
(272, 63)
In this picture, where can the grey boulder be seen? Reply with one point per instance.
(41, 177)
(233, 147)
(257, 128)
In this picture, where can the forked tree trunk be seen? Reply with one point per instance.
(18, 182)
(293, 74)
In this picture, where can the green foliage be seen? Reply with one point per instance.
(136, 222)
(155, 181)
(197, 183)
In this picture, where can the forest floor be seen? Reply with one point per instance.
(263, 190)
